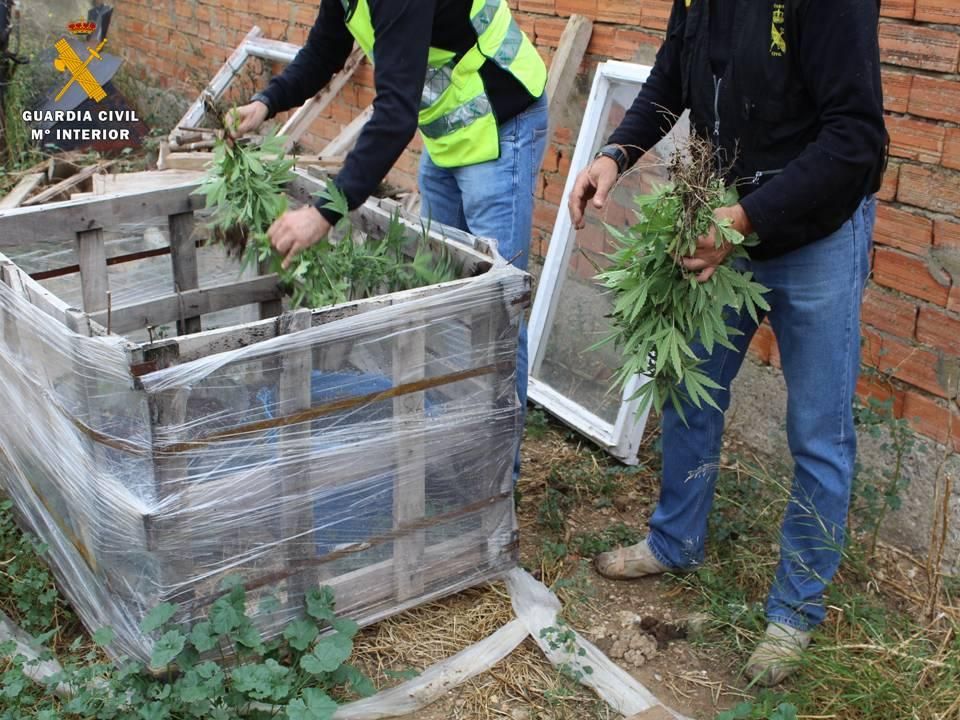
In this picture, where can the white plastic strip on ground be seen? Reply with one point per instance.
(536, 609)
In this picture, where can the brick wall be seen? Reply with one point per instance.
(912, 308)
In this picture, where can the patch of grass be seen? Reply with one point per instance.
(871, 659)
(537, 424)
(591, 544)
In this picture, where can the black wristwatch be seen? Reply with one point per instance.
(617, 154)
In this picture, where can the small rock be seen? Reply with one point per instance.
(658, 677)
(519, 714)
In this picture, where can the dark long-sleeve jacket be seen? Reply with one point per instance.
(796, 99)
(404, 30)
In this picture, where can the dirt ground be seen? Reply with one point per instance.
(641, 624)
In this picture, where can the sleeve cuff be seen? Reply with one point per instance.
(265, 99)
(331, 216)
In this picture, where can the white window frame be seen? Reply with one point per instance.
(621, 438)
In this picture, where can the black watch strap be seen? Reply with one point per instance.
(617, 154)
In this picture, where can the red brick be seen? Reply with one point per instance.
(761, 344)
(628, 42)
(888, 191)
(872, 387)
(908, 274)
(656, 13)
(896, 90)
(930, 188)
(915, 139)
(953, 303)
(870, 346)
(936, 98)
(946, 233)
(544, 7)
(545, 216)
(930, 418)
(902, 229)
(919, 47)
(951, 149)
(775, 352)
(602, 40)
(939, 330)
(889, 313)
(576, 7)
(553, 189)
(938, 11)
(548, 31)
(551, 159)
(897, 9)
(913, 365)
(619, 11)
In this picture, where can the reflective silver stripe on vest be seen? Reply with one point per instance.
(510, 46)
(481, 21)
(461, 117)
(437, 81)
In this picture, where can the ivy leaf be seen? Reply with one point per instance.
(320, 603)
(300, 633)
(329, 653)
(167, 648)
(224, 617)
(158, 617)
(104, 636)
(203, 637)
(315, 705)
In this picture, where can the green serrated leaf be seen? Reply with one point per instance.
(158, 617)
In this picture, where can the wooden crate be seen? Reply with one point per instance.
(367, 446)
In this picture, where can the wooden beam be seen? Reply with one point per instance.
(347, 138)
(565, 64)
(218, 84)
(183, 258)
(201, 160)
(64, 186)
(160, 311)
(21, 190)
(94, 285)
(60, 222)
(303, 118)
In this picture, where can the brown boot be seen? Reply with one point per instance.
(777, 655)
(629, 563)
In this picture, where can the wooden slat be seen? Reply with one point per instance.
(60, 222)
(565, 66)
(64, 186)
(161, 311)
(183, 258)
(347, 138)
(409, 487)
(94, 284)
(201, 160)
(38, 295)
(303, 118)
(218, 83)
(296, 441)
(21, 190)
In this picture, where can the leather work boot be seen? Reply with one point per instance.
(629, 563)
(777, 654)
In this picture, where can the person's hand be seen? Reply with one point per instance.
(246, 118)
(296, 230)
(708, 256)
(593, 182)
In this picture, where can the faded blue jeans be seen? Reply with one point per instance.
(495, 200)
(815, 295)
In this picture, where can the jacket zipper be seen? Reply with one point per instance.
(716, 119)
(763, 173)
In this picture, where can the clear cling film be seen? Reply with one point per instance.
(366, 446)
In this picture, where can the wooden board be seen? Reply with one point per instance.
(565, 65)
(21, 190)
(142, 181)
(347, 138)
(60, 222)
(190, 303)
(64, 186)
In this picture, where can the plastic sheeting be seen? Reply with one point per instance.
(368, 448)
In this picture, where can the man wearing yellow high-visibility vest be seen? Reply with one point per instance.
(465, 75)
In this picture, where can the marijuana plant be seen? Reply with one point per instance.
(661, 312)
(245, 189)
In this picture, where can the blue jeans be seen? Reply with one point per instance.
(815, 295)
(495, 200)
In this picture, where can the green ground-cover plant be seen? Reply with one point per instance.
(245, 189)
(660, 309)
(219, 668)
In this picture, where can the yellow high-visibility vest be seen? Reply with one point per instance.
(456, 118)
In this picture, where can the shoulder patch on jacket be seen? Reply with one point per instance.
(778, 38)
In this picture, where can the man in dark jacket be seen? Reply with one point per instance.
(789, 94)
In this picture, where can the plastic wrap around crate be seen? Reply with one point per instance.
(366, 446)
